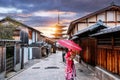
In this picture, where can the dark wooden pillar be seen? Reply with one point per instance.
(22, 57)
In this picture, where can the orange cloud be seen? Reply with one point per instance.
(47, 31)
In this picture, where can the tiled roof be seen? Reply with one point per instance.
(107, 30)
(74, 37)
(38, 44)
(91, 28)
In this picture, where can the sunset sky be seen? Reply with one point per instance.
(42, 14)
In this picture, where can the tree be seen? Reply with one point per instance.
(6, 31)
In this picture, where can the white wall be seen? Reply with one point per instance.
(101, 17)
(30, 41)
(82, 26)
(110, 16)
(33, 36)
(30, 52)
(25, 54)
(36, 36)
(92, 19)
(118, 16)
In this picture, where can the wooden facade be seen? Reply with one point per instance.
(108, 59)
(108, 50)
(88, 43)
(88, 52)
(107, 46)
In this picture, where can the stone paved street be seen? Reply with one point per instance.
(83, 73)
(52, 68)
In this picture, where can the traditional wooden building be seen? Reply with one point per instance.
(110, 16)
(88, 43)
(27, 36)
(108, 53)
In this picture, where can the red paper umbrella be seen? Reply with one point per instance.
(69, 44)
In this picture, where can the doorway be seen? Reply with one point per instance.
(9, 58)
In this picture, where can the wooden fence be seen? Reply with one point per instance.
(108, 53)
(88, 52)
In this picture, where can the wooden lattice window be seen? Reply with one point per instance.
(117, 41)
(105, 41)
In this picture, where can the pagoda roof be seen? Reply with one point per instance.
(59, 26)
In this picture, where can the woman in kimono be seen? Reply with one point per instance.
(70, 67)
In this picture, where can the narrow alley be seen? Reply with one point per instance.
(52, 68)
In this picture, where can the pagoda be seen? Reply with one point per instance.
(59, 30)
(58, 34)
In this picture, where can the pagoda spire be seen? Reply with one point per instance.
(58, 17)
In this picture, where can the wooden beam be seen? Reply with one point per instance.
(106, 17)
(115, 18)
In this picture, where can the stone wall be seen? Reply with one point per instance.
(104, 75)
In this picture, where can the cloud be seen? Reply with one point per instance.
(24, 15)
(45, 13)
(53, 13)
(46, 18)
(42, 13)
(1, 17)
(47, 31)
(63, 5)
(10, 10)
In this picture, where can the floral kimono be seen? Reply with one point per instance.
(70, 67)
